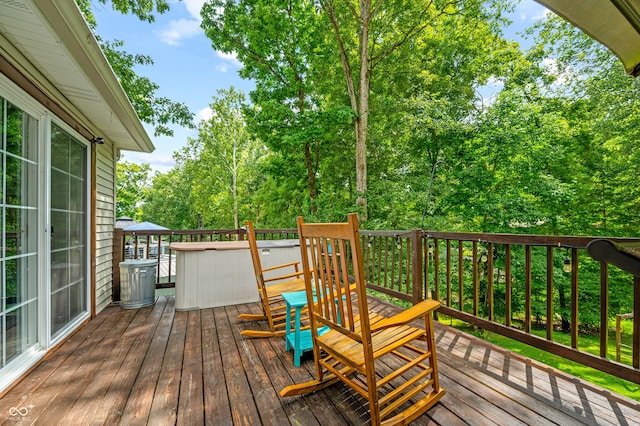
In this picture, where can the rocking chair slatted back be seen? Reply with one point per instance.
(272, 304)
(387, 361)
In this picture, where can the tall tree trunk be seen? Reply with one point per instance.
(235, 184)
(308, 160)
(362, 123)
(359, 101)
(311, 176)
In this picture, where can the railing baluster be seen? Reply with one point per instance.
(636, 323)
(436, 269)
(448, 260)
(490, 282)
(376, 253)
(507, 282)
(549, 295)
(426, 264)
(460, 276)
(527, 289)
(386, 260)
(476, 277)
(604, 309)
(414, 260)
(574, 298)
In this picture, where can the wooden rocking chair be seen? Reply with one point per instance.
(273, 306)
(385, 360)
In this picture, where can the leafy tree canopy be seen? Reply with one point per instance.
(142, 92)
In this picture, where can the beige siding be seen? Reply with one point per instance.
(105, 220)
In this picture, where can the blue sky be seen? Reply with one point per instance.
(188, 70)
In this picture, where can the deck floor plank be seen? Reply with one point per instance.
(23, 391)
(139, 403)
(61, 389)
(164, 407)
(506, 371)
(278, 365)
(191, 405)
(134, 344)
(217, 409)
(243, 407)
(252, 352)
(543, 411)
(157, 366)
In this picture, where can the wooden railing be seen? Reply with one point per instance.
(156, 245)
(540, 290)
(495, 282)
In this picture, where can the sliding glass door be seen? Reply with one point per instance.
(69, 242)
(19, 259)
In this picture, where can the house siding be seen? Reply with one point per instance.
(105, 222)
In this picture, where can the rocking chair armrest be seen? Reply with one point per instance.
(406, 316)
(282, 265)
(284, 276)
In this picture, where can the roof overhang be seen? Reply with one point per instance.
(51, 46)
(614, 23)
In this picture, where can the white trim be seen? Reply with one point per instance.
(16, 368)
(44, 269)
(20, 98)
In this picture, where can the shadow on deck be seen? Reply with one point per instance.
(158, 366)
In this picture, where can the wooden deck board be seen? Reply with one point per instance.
(191, 403)
(164, 406)
(216, 399)
(157, 366)
(139, 404)
(243, 407)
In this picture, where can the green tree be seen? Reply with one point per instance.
(276, 42)
(169, 200)
(132, 188)
(216, 175)
(368, 35)
(226, 163)
(156, 110)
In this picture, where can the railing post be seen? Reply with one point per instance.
(118, 241)
(416, 266)
(636, 323)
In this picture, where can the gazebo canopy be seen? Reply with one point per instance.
(145, 226)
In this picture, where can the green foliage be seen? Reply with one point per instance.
(168, 202)
(216, 174)
(142, 93)
(145, 10)
(132, 188)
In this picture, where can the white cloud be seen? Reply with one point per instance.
(180, 30)
(193, 7)
(232, 58)
(494, 82)
(157, 162)
(562, 76)
(204, 114)
(531, 11)
(222, 67)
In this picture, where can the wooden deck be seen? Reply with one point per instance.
(157, 366)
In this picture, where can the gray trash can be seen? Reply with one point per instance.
(137, 283)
